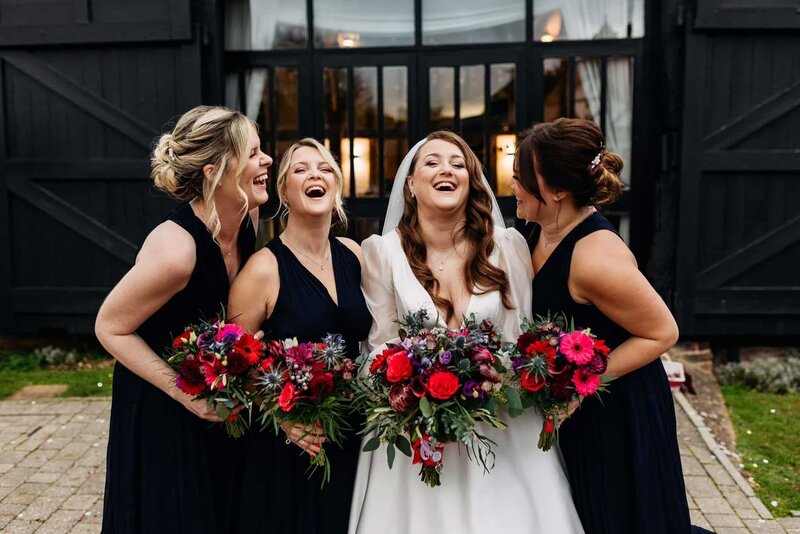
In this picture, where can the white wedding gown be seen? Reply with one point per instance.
(526, 492)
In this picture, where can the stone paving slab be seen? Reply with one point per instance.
(52, 469)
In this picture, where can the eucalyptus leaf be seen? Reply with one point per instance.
(222, 411)
(514, 402)
(404, 446)
(390, 455)
(372, 444)
(425, 407)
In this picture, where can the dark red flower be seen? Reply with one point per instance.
(601, 347)
(418, 387)
(524, 340)
(598, 365)
(321, 385)
(442, 385)
(267, 363)
(481, 354)
(237, 363)
(398, 367)
(190, 378)
(561, 385)
(401, 398)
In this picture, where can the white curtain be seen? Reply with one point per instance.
(589, 19)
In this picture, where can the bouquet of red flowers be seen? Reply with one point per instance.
(307, 383)
(435, 386)
(555, 363)
(213, 361)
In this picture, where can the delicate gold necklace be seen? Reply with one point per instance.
(441, 260)
(313, 260)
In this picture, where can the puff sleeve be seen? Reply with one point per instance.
(379, 292)
(515, 260)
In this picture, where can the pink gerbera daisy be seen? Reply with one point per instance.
(585, 383)
(577, 347)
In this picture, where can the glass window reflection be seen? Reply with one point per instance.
(278, 24)
(363, 23)
(570, 20)
(472, 21)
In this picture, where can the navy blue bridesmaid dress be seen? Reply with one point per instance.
(621, 454)
(167, 469)
(277, 495)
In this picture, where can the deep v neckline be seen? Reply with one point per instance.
(321, 286)
(220, 257)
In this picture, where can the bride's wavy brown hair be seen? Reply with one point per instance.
(478, 231)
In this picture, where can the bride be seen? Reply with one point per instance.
(445, 248)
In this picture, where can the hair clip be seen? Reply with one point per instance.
(596, 160)
(171, 153)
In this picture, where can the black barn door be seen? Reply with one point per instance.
(85, 87)
(739, 241)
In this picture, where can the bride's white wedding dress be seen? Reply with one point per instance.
(527, 491)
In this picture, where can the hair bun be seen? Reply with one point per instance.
(607, 185)
(162, 171)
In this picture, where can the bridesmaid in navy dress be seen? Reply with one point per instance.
(304, 284)
(164, 468)
(621, 454)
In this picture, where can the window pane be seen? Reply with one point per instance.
(502, 125)
(362, 23)
(442, 102)
(472, 109)
(365, 142)
(395, 121)
(559, 20)
(556, 88)
(472, 21)
(619, 111)
(587, 89)
(334, 82)
(265, 25)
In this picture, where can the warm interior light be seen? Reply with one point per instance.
(362, 168)
(347, 40)
(547, 38)
(552, 28)
(505, 147)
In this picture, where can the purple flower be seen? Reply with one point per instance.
(445, 357)
(516, 363)
(472, 389)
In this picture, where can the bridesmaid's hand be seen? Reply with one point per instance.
(309, 438)
(571, 407)
(198, 407)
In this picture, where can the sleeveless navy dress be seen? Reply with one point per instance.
(277, 495)
(621, 455)
(167, 469)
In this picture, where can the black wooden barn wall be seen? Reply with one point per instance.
(739, 220)
(85, 87)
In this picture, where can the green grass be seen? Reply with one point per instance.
(761, 435)
(19, 369)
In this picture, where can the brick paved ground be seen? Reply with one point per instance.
(52, 468)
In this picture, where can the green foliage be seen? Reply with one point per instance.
(770, 375)
(768, 428)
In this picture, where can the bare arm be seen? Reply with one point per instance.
(254, 291)
(163, 267)
(604, 273)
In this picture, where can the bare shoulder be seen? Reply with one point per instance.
(261, 267)
(170, 248)
(354, 248)
(600, 258)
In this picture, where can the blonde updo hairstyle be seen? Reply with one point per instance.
(203, 135)
(571, 156)
(283, 173)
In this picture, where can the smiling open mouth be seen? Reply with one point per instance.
(445, 186)
(315, 191)
(260, 180)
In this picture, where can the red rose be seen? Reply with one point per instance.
(442, 385)
(287, 397)
(379, 364)
(398, 367)
(531, 381)
(321, 385)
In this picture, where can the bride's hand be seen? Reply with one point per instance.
(309, 437)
